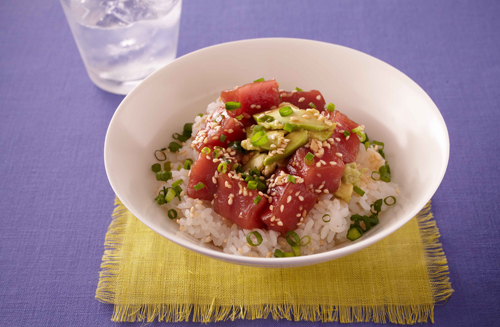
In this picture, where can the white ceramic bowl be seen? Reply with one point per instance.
(393, 108)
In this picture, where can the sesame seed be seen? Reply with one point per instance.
(304, 213)
(208, 239)
(252, 106)
(257, 106)
(226, 184)
(182, 228)
(289, 199)
(318, 97)
(297, 194)
(294, 119)
(337, 139)
(338, 154)
(326, 191)
(333, 163)
(282, 208)
(348, 137)
(230, 131)
(273, 218)
(280, 223)
(318, 164)
(240, 250)
(301, 198)
(271, 207)
(329, 123)
(225, 240)
(322, 162)
(294, 91)
(301, 219)
(302, 99)
(317, 191)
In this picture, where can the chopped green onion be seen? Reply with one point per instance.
(373, 220)
(160, 199)
(232, 105)
(257, 200)
(380, 144)
(367, 145)
(206, 150)
(222, 138)
(259, 138)
(346, 133)
(177, 183)
(261, 186)
(329, 218)
(257, 236)
(198, 186)
(162, 158)
(309, 159)
(288, 127)
(292, 238)
(385, 175)
(299, 89)
(354, 233)
(215, 154)
(199, 115)
(163, 175)
(236, 145)
(278, 253)
(359, 191)
(181, 137)
(174, 147)
(257, 128)
(156, 167)
(289, 254)
(296, 249)
(368, 225)
(188, 128)
(312, 105)
(252, 185)
(393, 201)
(330, 107)
(291, 179)
(361, 136)
(377, 206)
(376, 173)
(265, 118)
(286, 111)
(357, 129)
(179, 168)
(304, 244)
(259, 80)
(172, 214)
(239, 117)
(171, 193)
(222, 168)
(188, 163)
(167, 166)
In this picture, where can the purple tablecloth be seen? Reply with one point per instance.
(55, 200)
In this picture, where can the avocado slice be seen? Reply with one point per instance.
(351, 174)
(273, 120)
(344, 192)
(256, 161)
(323, 135)
(273, 137)
(297, 139)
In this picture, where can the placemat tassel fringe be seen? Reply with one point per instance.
(400, 314)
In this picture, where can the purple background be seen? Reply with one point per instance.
(55, 200)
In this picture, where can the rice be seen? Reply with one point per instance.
(199, 223)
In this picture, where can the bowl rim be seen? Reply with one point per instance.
(285, 261)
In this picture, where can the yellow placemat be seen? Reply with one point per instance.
(147, 277)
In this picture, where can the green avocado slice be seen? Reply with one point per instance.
(273, 120)
(297, 139)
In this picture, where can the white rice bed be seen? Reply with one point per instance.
(199, 223)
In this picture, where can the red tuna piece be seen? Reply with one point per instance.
(295, 199)
(230, 127)
(202, 171)
(254, 97)
(328, 174)
(238, 208)
(313, 96)
(348, 146)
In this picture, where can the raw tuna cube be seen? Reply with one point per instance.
(290, 204)
(254, 97)
(239, 208)
(202, 171)
(302, 99)
(328, 174)
(347, 146)
(230, 127)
